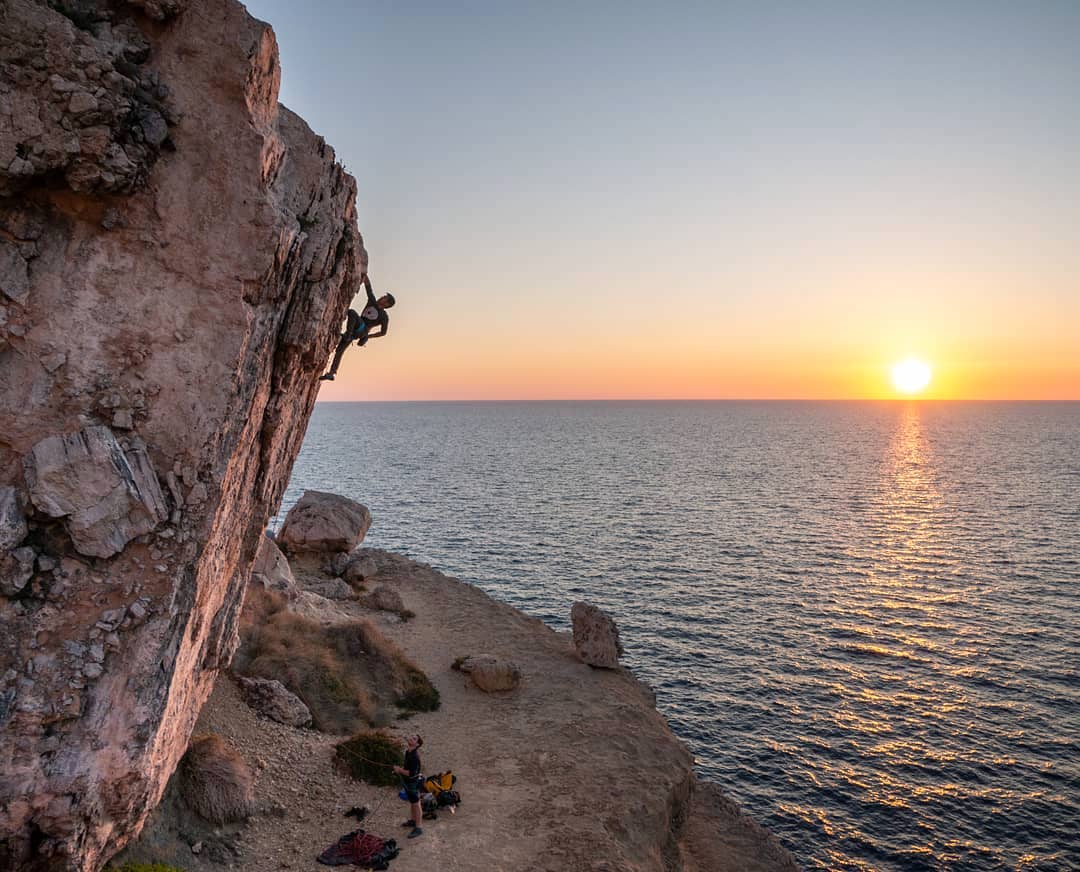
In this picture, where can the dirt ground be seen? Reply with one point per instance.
(574, 770)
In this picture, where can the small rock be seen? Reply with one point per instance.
(92, 670)
(492, 674)
(122, 419)
(274, 700)
(196, 848)
(384, 599)
(359, 568)
(82, 102)
(16, 569)
(13, 527)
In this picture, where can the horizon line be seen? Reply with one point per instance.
(722, 400)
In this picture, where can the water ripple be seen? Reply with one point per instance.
(862, 617)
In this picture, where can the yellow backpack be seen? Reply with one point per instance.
(436, 784)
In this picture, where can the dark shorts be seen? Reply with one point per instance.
(355, 327)
(412, 789)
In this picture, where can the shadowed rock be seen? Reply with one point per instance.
(271, 570)
(272, 699)
(13, 527)
(596, 637)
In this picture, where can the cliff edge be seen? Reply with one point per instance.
(571, 770)
(176, 253)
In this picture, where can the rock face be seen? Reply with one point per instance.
(324, 522)
(596, 637)
(106, 495)
(274, 700)
(177, 252)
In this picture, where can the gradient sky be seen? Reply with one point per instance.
(704, 200)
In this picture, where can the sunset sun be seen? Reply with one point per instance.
(910, 376)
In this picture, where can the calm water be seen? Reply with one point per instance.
(864, 618)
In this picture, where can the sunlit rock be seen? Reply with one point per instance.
(324, 522)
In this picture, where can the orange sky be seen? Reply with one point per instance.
(608, 200)
(837, 345)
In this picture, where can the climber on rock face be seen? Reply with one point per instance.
(359, 325)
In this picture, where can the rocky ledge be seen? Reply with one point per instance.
(570, 768)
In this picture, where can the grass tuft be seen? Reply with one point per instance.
(345, 673)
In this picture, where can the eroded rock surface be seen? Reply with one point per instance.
(324, 522)
(176, 254)
(106, 493)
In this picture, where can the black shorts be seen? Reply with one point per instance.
(412, 789)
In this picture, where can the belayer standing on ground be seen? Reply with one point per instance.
(359, 326)
(410, 776)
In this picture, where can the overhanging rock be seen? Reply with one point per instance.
(177, 252)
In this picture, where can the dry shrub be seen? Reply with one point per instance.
(342, 672)
(215, 781)
(370, 756)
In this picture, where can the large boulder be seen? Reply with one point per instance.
(491, 674)
(177, 252)
(272, 699)
(596, 637)
(324, 522)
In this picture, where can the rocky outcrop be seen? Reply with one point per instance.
(324, 522)
(272, 699)
(596, 638)
(176, 254)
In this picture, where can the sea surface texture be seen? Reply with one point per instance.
(863, 618)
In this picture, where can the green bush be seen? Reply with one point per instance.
(370, 756)
(420, 695)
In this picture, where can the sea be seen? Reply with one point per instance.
(863, 618)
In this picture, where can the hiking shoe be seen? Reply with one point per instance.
(327, 377)
(416, 832)
(408, 823)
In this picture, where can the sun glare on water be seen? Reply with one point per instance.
(910, 376)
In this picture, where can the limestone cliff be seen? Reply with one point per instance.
(176, 253)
